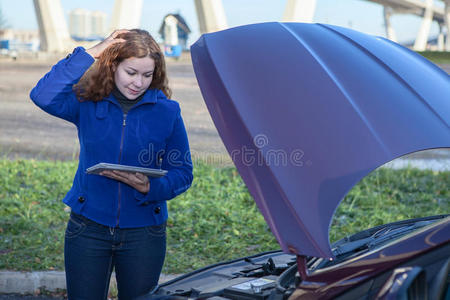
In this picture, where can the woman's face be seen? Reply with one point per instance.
(134, 75)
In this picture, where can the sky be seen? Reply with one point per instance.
(361, 15)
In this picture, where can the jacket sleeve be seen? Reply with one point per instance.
(177, 160)
(53, 93)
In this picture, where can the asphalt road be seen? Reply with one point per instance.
(26, 131)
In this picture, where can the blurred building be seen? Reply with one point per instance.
(87, 25)
(19, 40)
(174, 30)
(79, 23)
(99, 24)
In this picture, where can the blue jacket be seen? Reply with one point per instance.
(152, 135)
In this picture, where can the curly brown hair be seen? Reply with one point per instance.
(98, 81)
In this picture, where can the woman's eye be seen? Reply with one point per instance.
(131, 73)
(148, 75)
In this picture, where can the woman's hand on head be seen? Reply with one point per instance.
(136, 180)
(98, 49)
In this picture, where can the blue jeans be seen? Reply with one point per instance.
(92, 251)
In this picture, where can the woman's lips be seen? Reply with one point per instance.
(133, 92)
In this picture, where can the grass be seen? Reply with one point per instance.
(437, 57)
(32, 215)
(389, 195)
(215, 220)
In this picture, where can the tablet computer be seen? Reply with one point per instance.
(132, 169)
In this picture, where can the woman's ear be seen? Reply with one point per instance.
(114, 67)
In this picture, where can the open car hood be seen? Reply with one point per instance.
(307, 110)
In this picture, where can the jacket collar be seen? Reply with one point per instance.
(151, 96)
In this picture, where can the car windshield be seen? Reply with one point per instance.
(407, 188)
(373, 238)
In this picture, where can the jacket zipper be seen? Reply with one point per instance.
(120, 157)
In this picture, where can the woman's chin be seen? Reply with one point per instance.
(132, 96)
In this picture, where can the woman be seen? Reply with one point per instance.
(123, 116)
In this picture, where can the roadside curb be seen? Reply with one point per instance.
(12, 282)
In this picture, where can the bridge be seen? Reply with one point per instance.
(425, 9)
(54, 34)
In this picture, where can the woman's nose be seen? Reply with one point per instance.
(138, 81)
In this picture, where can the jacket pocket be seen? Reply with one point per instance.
(96, 124)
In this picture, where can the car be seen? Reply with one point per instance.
(306, 111)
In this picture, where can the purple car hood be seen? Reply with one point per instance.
(307, 110)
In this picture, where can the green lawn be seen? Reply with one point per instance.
(436, 56)
(215, 220)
